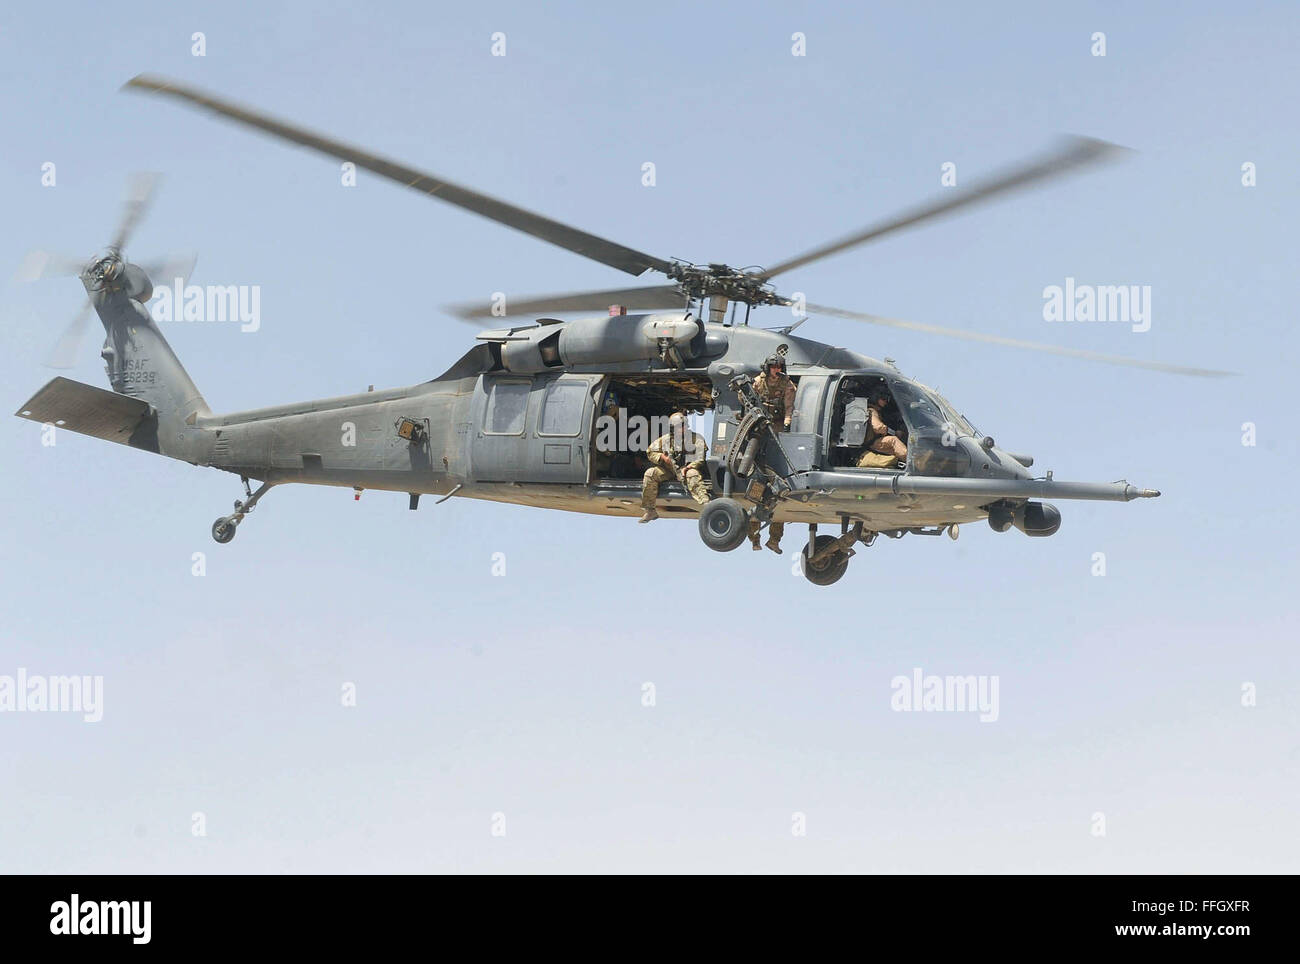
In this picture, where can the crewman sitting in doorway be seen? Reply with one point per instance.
(678, 455)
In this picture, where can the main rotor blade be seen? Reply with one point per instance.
(1074, 152)
(588, 245)
(66, 349)
(1016, 343)
(660, 296)
(139, 195)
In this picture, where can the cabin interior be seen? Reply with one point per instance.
(631, 398)
(653, 397)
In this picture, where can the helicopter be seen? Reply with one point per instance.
(536, 413)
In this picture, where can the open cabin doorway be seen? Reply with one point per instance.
(633, 410)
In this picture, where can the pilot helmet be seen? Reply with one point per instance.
(774, 361)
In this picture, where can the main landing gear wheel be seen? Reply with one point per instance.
(723, 524)
(223, 530)
(828, 570)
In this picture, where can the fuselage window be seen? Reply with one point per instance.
(562, 408)
(506, 407)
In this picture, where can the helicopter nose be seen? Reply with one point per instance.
(995, 462)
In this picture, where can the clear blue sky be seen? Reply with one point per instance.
(521, 693)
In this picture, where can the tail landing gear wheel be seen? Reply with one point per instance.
(723, 525)
(828, 570)
(223, 530)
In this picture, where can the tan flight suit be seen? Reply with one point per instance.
(875, 460)
(695, 450)
(778, 398)
(883, 442)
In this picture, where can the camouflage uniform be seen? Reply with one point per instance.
(775, 531)
(694, 451)
(778, 398)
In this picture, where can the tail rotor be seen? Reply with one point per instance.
(107, 269)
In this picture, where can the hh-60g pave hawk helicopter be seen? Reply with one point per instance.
(515, 419)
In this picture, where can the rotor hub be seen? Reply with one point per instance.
(720, 280)
(106, 269)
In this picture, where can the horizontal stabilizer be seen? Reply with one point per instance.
(93, 411)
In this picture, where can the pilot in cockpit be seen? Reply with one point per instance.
(882, 442)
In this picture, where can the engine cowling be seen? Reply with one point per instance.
(665, 337)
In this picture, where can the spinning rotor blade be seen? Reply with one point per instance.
(139, 195)
(661, 296)
(140, 191)
(1015, 342)
(64, 354)
(1075, 152)
(43, 264)
(589, 245)
(163, 271)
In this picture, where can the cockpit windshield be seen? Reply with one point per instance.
(929, 409)
(919, 409)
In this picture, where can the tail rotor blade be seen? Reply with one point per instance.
(45, 264)
(68, 346)
(139, 195)
(165, 270)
